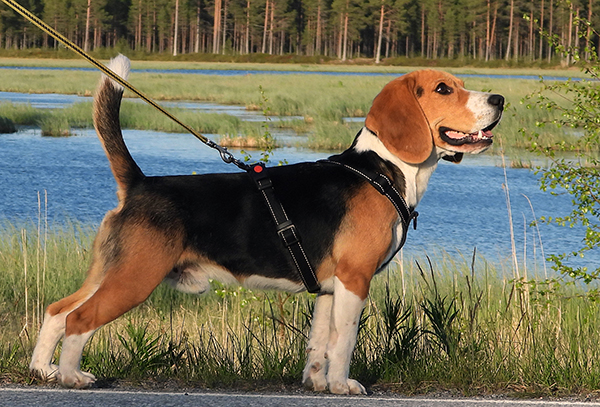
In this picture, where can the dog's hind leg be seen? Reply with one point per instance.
(315, 372)
(53, 329)
(144, 262)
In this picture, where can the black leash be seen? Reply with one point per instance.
(286, 230)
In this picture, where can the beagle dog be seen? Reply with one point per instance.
(187, 230)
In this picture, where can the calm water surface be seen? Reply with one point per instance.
(242, 72)
(464, 207)
(60, 101)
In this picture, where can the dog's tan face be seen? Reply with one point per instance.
(423, 109)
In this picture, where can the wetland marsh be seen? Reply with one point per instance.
(441, 317)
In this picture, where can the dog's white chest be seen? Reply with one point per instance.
(397, 233)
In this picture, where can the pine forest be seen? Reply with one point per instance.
(484, 30)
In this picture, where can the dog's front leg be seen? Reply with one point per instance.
(69, 372)
(345, 317)
(315, 372)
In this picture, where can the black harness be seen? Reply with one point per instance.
(287, 232)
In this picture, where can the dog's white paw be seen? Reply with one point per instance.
(44, 372)
(348, 387)
(314, 378)
(76, 379)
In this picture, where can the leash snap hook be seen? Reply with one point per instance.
(226, 156)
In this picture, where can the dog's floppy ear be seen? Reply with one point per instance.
(399, 122)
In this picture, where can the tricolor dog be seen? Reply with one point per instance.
(188, 229)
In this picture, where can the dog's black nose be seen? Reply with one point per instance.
(496, 100)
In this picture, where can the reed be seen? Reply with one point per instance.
(7, 125)
(54, 126)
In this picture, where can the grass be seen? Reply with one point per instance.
(467, 326)
(323, 101)
(7, 125)
(66, 58)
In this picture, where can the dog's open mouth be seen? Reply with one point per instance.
(458, 138)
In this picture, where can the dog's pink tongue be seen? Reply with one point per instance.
(456, 134)
(488, 134)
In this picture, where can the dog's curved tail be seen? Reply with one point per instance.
(107, 103)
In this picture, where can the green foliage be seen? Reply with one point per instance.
(145, 351)
(574, 169)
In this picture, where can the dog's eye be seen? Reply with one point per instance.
(443, 89)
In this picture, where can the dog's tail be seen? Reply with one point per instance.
(107, 103)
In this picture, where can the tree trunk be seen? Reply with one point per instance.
(224, 30)
(493, 35)
(530, 39)
(422, 30)
(567, 61)
(549, 56)
(271, 29)
(378, 54)
(510, 29)
(516, 41)
(387, 38)
(138, 45)
(248, 27)
(197, 42)
(318, 39)
(589, 32)
(264, 39)
(340, 36)
(487, 32)
(542, 30)
(86, 46)
(176, 31)
(216, 27)
(345, 47)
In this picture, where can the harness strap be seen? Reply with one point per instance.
(286, 230)
(385, 187)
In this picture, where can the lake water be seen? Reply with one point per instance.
(60, 101)
(464, 207)
(242, 72)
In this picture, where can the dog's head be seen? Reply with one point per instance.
(425, 109)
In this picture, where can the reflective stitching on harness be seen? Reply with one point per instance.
(270, 207)
(285, 229)
(406, 215)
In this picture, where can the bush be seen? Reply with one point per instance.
(574, 167)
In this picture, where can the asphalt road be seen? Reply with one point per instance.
(35, 396)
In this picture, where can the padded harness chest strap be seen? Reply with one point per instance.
(385, 187)
(286, 230)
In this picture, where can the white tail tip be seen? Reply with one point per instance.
(121, 66)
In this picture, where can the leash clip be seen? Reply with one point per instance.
(226, 156)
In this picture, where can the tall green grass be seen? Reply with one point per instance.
(465, 325)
